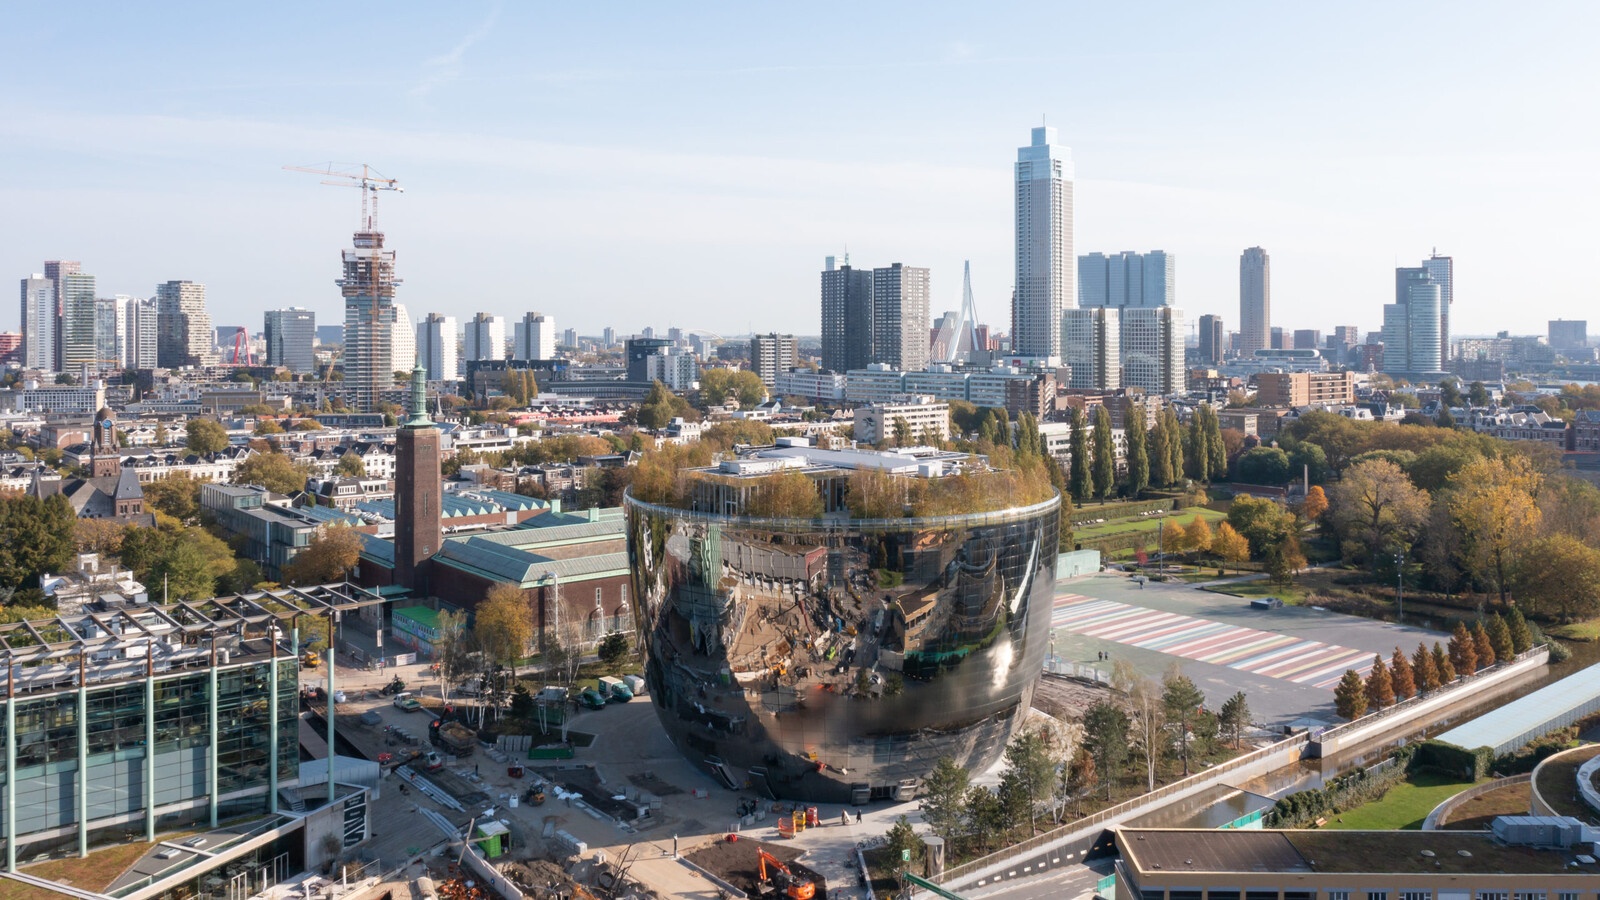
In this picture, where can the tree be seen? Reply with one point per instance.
(1105, 735)
(1158, 454)
(1105, 471)
(1197, 536)
(273, 471)
(1350, 696)
(1477, 394)
(904, 843)
(944, 795)
(1014, 800)
(40, 537)
(1138, 459)
(1030, 760)
(1315, 503)
(1149, 721)
(351, 464)
(787, 495)
(1309, 461)
(613, 650)
(1491, 502)
(1380, 687)
(1483, 646)
(1425, 673)
(1378, 509)
(1559, 577)
(1195, 456)
(1443, 665)
(158, 435)
(503, 624)
(1402, 676)
(333, 551)
(1262, 522)
(1463, 651)
(1079, 481)
(1174, 443)
(206, 436)
(1216, 449)
(1235, 717)
(1263, 465)
(1230, 545)
(520, 385)
(1079, 776)
(660, 406)
(102, 536)
(185, 562)
(1521, 634)
(1182, 701)
(982, 816)
(267, 427)
(1499, 634)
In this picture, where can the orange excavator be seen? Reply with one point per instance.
(787, 883)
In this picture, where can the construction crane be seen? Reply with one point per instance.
(368, 179)
(789, 885)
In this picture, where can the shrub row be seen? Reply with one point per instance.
(1086, 514)
(1349, 790)
(1452, 761)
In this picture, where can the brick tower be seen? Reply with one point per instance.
(417, 535)
(105, 460)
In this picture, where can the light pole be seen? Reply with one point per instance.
(1399, 584)
(1161, 545)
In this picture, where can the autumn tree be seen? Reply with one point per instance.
(205, 436)
(102, 536)
(1426, 674)
(1171, 537)
(176, 495)
(333, 551)
(1148, 717)
(1157, 454)
(1483, 646)
(1401, 674)
(1380, 687)
(1377, 509)
(273, 471)
(1500, 638)
(1558, 576)
(186, 562)
(1079, 776)
(1197, 536)
(1350, 696)
(786, 495)
(503, 624)
(1314, 504)
(1492, 504)
(1443, 665)
(1174, 442)
(351, 465)
(1463, 651)
(1230, 545)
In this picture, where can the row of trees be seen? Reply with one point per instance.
(1469, 650)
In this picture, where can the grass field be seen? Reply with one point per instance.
(1405, 806)
(1149, 523)
(1578, 631)
(1295, 594)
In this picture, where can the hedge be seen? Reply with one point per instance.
(1109, 544)
(1347, 791)
(1084, 515)
(1452, 761)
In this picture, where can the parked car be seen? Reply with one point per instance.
(592, 699)
(407, 702)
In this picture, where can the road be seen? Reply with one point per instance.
(1070, 883)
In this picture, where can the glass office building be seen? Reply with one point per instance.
(838, 659)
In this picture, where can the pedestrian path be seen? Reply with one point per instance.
(1245, 649)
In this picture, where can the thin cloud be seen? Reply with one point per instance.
(446, 68)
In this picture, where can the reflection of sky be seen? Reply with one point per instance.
(1003, 655)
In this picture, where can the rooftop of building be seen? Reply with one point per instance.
(1162, 850)
(1507, 724)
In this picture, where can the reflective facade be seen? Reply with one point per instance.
(836, 660)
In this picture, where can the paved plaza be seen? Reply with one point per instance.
(1286, 661)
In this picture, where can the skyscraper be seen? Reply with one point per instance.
(1307, 339)
(1255, 301)
(291, 335)
(57, 270)
(773, 354)
(535, 337)
(608, 337)
(1568, 334)
(1212, 340)
(78, 317)
(184, 330)
(485, 338)
(1046, 267)
(436, 346)
(1127, 280)
(846, 317)
(140, 333)
(403, 353)
(108, 313)
(1091, 341)
(1442, 269)
(900, 318)
(39, 323)
(368, 285)
(1411, 324)
(1152, 349)
(569, 337)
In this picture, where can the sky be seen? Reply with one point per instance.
(691, 165)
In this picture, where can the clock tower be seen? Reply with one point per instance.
(105, 461)
(417, 534)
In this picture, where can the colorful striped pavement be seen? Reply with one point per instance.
(1257, 652)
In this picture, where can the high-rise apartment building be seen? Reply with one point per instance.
(1412, 322)
(1046, 276)
(291, 335)
(1255, 301)
(436, 346)
(900, 318)
(485, 338)
(846, 317)
(108, 325)
(1091, 341)
(1307, 339)
(1127, 280)
(140, 333)
(403, 354)
(1278, 341)
(638, 354)
(184, 330)
(1442, 269)
(39, 323)
(368, 285)
(1213, 340)
(57, 270)
(569, 338)
(79, 346)
(1568, 334)
(608, 336)
(1348, 335)
(1152, 349)
(772, 355)
(535, 337)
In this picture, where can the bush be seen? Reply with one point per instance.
(1359, 785)
(1452, 761)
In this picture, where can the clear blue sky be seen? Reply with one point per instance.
(676, 164)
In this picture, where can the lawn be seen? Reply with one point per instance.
(1148, 523)
(1477, 813)
(1405, 806)
(1295, 594)
(1578, 631)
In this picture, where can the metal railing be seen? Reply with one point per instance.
(841, 523)
(1124, 808)
(1411, 703)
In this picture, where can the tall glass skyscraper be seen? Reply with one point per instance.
(79, 314)
(846, 317)
(291, 334)
(370, 329)
(140, 333)
(1046, 274)
(1255, 301)
(1413, 322)
(1127, 280)
(1442, 269)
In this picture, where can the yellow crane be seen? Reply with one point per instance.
(368, 179)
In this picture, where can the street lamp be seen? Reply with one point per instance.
(1399, 583)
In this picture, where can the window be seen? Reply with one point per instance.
(1377, 895)
(1496, 895)
(1569, 895)
(1338, 895)
(1529, 895)
(1416, 895)
(622, 591)
(1224, 894)
(596, 604)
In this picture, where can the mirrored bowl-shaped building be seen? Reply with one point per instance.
(838, 659)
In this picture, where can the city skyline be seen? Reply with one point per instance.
(553, 189)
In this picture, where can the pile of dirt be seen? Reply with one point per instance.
(735, 862)
(538, 876)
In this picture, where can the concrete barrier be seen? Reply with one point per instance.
(1431, 823)
(1586, 783)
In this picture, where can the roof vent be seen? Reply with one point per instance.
(1428, 853)
(1464, 854)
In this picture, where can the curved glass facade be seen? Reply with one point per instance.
(834, 659)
